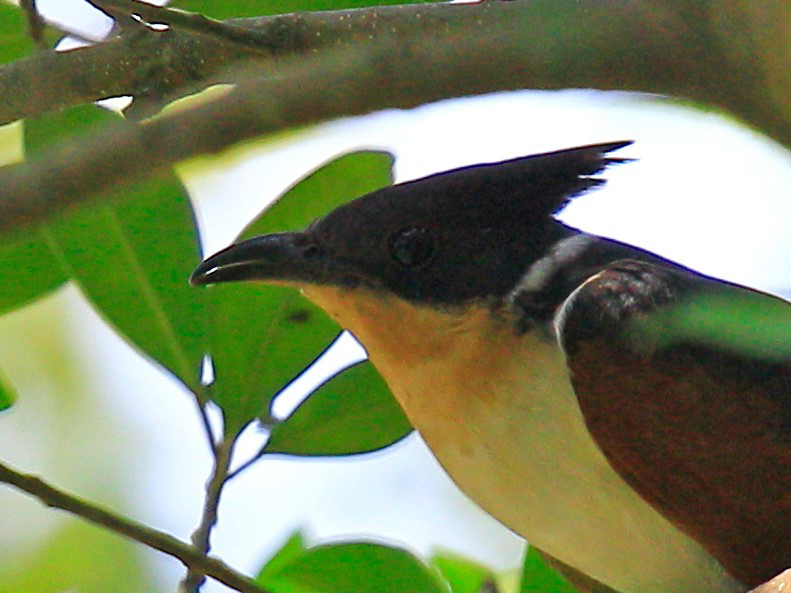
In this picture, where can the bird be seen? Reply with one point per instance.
(557, 376)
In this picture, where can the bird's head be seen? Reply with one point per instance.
(446, 244)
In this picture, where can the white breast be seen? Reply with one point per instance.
(522, 452)
(500, 415)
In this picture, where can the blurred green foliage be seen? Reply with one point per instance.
(14, 40)
(7, 393)
(294, 547)
(539, 577)
(80, 557)
(363, 567)
(352, 413)
(348, 567)
(462, 574)
(742, 321)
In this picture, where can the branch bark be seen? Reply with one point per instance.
(160, 66)
(675, 47)
(191, 558)
(626, 45)
(201, 538)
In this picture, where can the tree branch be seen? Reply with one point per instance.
(715, 44)
(223, 452)
(159, 66)
(129, 65)
(622, 46)
(158, 540)
(514, 45)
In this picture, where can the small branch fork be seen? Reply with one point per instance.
(191, 21)
(35, 24)
(222, 448)
(194, 559)
(201, 537)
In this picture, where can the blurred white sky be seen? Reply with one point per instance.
(704, 191)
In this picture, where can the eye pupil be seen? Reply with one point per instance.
(412, 247)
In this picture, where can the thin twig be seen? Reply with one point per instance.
(35, 24)
(201, 537)
(173, 63)
(207, 428)
(159, 540)
(201, 399)
(191, 21)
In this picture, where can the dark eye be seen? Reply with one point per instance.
(412, 247)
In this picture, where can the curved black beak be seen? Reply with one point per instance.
(279, 256)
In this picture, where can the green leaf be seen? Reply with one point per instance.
(353, 412)
(462, 574)
(67, 125)
(262, 336)
(355, 568)
(7, 393)
(132, 257)
(289, 551)
(539, 577)
(133, 260)
(78, 556)
(14, 40)
(30, 266)
(29, 269)
(742, 321)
